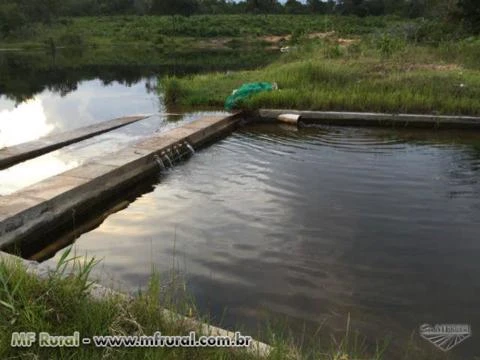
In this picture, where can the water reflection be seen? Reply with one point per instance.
(26, 74)
(31, 172)
(313, 225)
(26, 122)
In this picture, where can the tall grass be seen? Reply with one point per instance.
(370, 77)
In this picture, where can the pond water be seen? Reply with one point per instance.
(310, 225)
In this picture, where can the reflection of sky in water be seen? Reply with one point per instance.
(311, 225)
(26, 122)
(92, 102)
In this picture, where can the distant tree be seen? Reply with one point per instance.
(331, 6)
(395, 7)
(353, 7)
(16, 13)
(41, 11)
(375, 7)
(217, 6)
(416, 8)
(142, 7)
(11, 18)
(317, 6)
(174, 8)
(470, 13)
(262, 6)
(294, 7)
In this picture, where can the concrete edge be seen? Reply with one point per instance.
(100, 292)
(373, 119)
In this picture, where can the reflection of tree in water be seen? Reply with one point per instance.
(151, 85)
(23, 75)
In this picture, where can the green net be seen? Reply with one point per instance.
(245, 91)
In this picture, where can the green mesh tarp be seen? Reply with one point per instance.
(245, 91)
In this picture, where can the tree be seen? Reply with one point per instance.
(174, 7)
(353, 7)
(317, 6)
(11, 18)
(470, 13)
(375, 7)
(142, 7)
(416, 8)
(294, 7)
(41, 11)
(262, 6)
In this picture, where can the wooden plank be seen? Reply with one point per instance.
(12, 155)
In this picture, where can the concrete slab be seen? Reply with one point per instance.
(52, 187)
(90, 171)
(157, 142)
(16, 212)
(206, 121)
(27, 214)
(9, 206)
(377, 119)
(180, 133)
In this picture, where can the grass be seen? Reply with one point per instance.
(389, 64)
(384, 74)
(60, 303)
(158, 32)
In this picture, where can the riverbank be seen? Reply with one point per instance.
(357, 74)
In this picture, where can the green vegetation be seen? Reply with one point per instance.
(18, 14)
(24, 20)
(219, 31)
(61, 303)
(25, 74)
(368, 73)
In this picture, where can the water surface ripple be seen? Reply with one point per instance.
(312, 225)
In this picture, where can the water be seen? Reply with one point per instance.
(160, 163)
(312, 225)
(192, 150)
(275, 222)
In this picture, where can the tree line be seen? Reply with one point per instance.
(16, 13)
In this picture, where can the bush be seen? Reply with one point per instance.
(173, 91)
(388, 45)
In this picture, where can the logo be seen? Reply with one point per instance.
(445, 336)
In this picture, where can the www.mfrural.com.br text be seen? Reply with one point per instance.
(44, 339)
